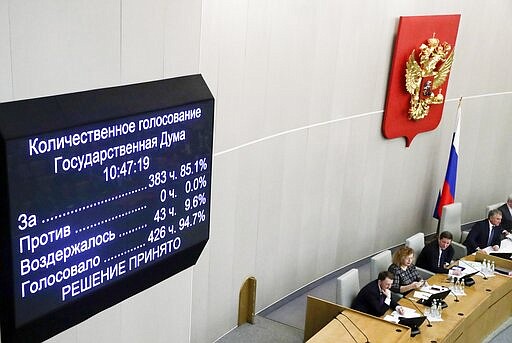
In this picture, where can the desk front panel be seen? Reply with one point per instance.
(340, 329)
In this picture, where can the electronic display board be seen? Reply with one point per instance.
(104, 194)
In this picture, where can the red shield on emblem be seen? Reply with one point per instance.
(414, 35)
(426, 87)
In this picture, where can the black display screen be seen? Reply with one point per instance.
(102, 201)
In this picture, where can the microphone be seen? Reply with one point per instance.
(420, 311)
(345, 328)
(357, 327)
(451, 290)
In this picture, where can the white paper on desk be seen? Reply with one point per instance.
(474, 266)
(421, 295)
(470, 266)
(504, 248)
(408, 313)
(390, 318)
(425, 289)
(434, 319)
(488, 249)
(456, 273)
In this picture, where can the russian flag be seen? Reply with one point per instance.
(447, 194)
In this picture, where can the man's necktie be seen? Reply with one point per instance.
(489, 241)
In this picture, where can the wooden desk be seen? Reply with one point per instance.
(498, 307)
(339, 328)
(487, 304)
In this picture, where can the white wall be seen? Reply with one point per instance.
(303, 182)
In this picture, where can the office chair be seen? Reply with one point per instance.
(347, 287)
(379, 262)
(451, 221)
(492, 207)
(417, 242)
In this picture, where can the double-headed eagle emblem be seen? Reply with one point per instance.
(422, 79)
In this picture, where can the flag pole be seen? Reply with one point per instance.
(447, 192)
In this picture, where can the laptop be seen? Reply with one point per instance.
(505, 255)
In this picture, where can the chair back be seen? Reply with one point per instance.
(416, 242)
(347, 287)
(379, 262)
(451, 220)
(492, 207)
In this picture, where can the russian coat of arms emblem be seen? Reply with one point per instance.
(424, 52)
(423, 78)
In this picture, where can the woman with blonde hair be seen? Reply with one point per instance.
(406, 277)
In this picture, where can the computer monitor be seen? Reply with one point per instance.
(438, 297)
(468, 279)
(414, 323)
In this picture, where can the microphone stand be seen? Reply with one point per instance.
(456, 297)
(420, 311)
(357, 327)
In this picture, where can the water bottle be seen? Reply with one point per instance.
(427, 312)
(492, 267)
(462, 285)
(433, 310)
(484, 266)
(457, 286)
(439, 310)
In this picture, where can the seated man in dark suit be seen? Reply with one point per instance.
(438, 254)
(375, 297)
(506, 212)
(485, 233)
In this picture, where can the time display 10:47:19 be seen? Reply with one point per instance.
(127, 168)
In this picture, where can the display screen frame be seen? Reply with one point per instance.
(31, 117)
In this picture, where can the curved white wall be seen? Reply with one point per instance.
(304, 182)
